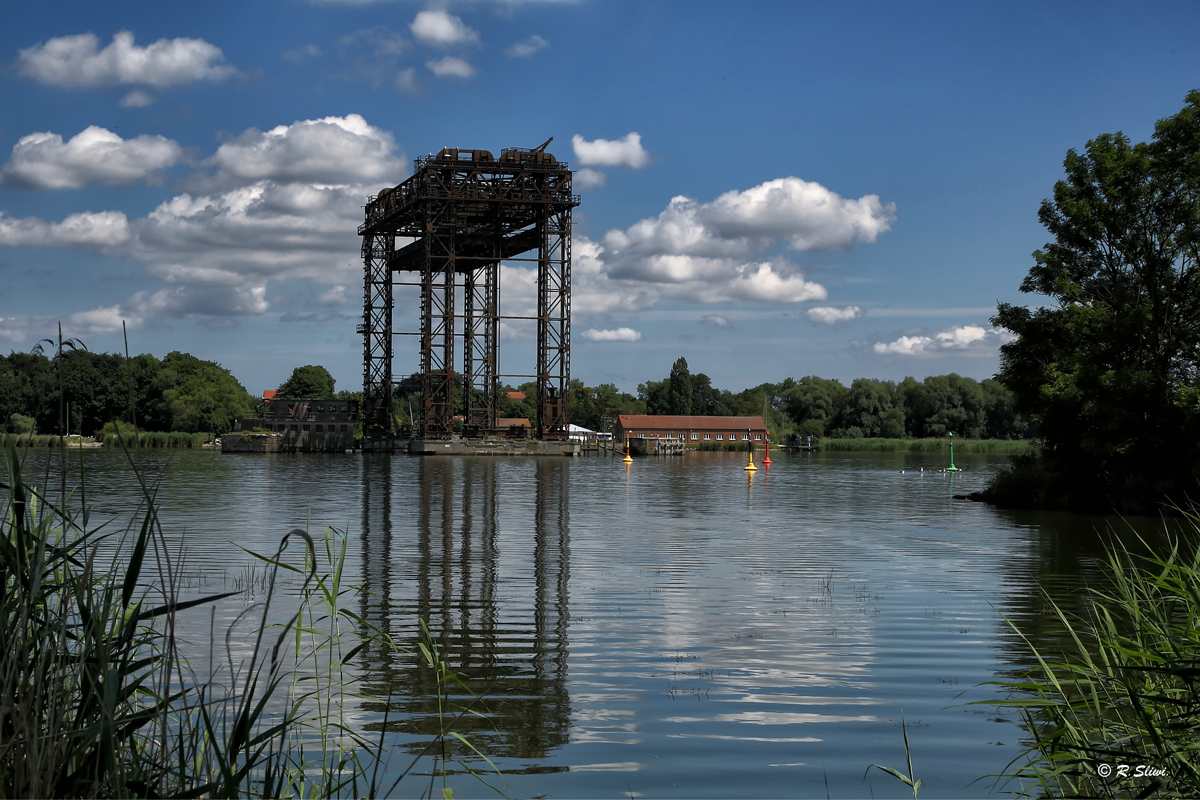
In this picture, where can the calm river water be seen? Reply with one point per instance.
(670, 629)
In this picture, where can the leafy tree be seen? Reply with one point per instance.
(1000, 410)
(708, 400)
(656, 396)
(1109, 372)
(944, 404)
(201, 396)
(595, 407)
(310, 381)
(813, 403)
(870, 407)
(679, 388)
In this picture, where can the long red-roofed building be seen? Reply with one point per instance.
(691, 430)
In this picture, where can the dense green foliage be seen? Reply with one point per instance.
(310, 381)
(821, 407)
(1122, 691)
(179, 393)
(1110, 373)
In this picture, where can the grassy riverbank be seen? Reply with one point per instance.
(150, 439)
(160, 439)
(941, 445)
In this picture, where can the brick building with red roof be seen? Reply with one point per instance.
(690, 430)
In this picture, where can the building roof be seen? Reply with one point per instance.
(515, 395)
(269, 394)
(660, 422)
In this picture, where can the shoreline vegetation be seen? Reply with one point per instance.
(145, 439)
(1114, 712)
(101, 701)
(876, 445)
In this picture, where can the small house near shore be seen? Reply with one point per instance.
(691, 430)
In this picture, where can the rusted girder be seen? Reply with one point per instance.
(465, 212)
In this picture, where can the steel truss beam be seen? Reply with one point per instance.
(466, 213)
(376, 329)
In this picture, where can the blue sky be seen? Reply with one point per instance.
(768, 189)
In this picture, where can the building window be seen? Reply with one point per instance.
(345, 428)
(320, 429)
(293, 428)
(758, 437)
(745, 437)
(307, 427)
(707, 436)
(720, 437)
(695, 436)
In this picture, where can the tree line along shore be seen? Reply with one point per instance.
(186, 401)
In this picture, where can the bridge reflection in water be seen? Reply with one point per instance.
(494, 597)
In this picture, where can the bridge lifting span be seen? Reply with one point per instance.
(460, 215)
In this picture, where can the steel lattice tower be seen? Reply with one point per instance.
(464, 212)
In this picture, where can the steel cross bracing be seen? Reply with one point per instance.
(464, 213)
(376, 328)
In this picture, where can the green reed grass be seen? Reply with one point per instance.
(719, 447)
(1124, 691)
(909, 778)
(158, 439)
(98, 701)
(23, 440)
(1000, 446)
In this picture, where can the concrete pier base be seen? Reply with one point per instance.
(492, 447)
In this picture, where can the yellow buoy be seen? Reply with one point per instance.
(628, 459)
(750, 460)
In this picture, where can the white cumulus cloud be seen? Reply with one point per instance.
(715, 321)
(720, 252)
(828, 315)
(624, 152)
(95, 155)
(615, 335)
(451, 66)
(78, 62)
(527, 47)
(332, 150)
(441, 29)
(967, 339)
(94, 321)
(251, 234)
(104, 229)
(905, 345)
(587, 179)
(806, 214)
(283, 204)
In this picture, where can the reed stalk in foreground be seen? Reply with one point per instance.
(1117, 713)
(96, 699)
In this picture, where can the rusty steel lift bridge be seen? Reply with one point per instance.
(460, 215)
